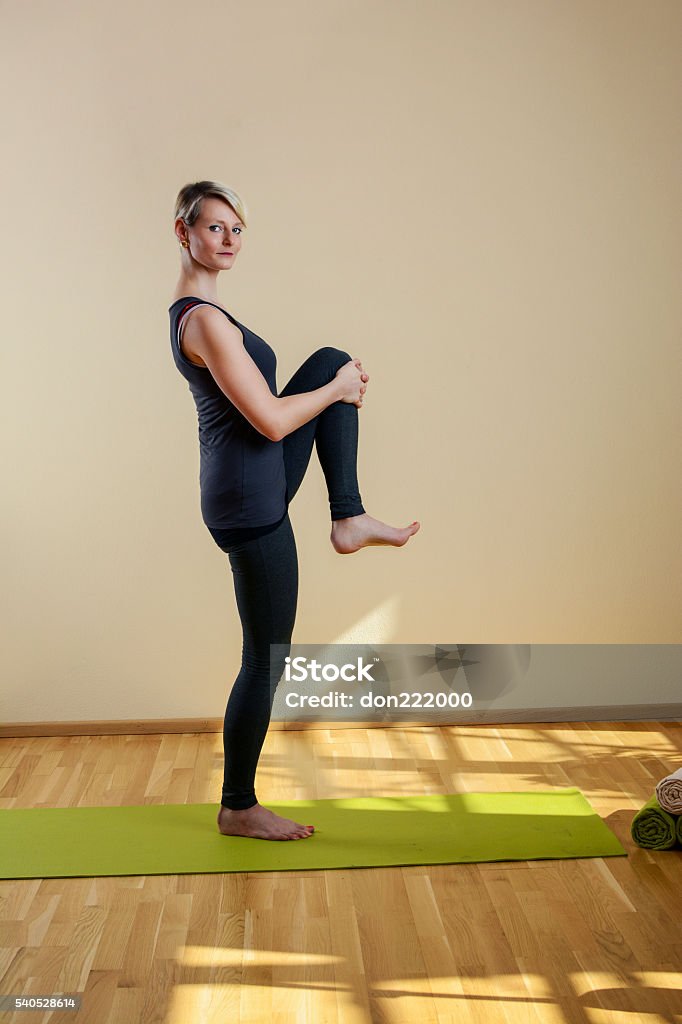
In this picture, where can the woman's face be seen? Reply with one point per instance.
(215, 238)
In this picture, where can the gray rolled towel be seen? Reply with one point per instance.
(669, 792)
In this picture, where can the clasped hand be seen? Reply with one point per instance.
(354, 380)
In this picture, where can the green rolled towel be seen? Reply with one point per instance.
(655, 829)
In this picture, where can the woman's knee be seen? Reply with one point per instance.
(335, 356)
(319, 368)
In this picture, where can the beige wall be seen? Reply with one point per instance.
(481, 200)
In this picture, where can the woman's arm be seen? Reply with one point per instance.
(220, 344)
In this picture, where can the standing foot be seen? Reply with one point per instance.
(258, 822)
(357, 532)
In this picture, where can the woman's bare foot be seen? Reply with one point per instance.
(357, 532)
(258, 822)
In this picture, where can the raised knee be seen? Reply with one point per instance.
(337, 356)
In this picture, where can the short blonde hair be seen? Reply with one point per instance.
(190, 197)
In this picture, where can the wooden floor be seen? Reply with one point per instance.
(587, 941)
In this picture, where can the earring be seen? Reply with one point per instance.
(184, 244)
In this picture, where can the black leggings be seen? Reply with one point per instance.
(265, 572)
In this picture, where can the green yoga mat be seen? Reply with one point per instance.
(656, 829)
(359, 832)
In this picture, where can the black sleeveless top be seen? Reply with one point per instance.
(241, 476)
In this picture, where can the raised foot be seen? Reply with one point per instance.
(349, 535)
(258, 822)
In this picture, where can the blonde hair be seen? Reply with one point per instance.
(190, 197)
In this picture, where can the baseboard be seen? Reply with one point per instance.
(492, 716)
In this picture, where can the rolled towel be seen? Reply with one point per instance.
(653, 828)
(669, 792)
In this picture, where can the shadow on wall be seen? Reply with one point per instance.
(490, 669)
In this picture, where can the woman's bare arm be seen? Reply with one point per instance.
(220, 344)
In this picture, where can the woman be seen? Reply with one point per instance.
(255, 445)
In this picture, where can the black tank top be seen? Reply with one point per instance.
(241, 477)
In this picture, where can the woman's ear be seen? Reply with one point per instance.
(180, 229)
